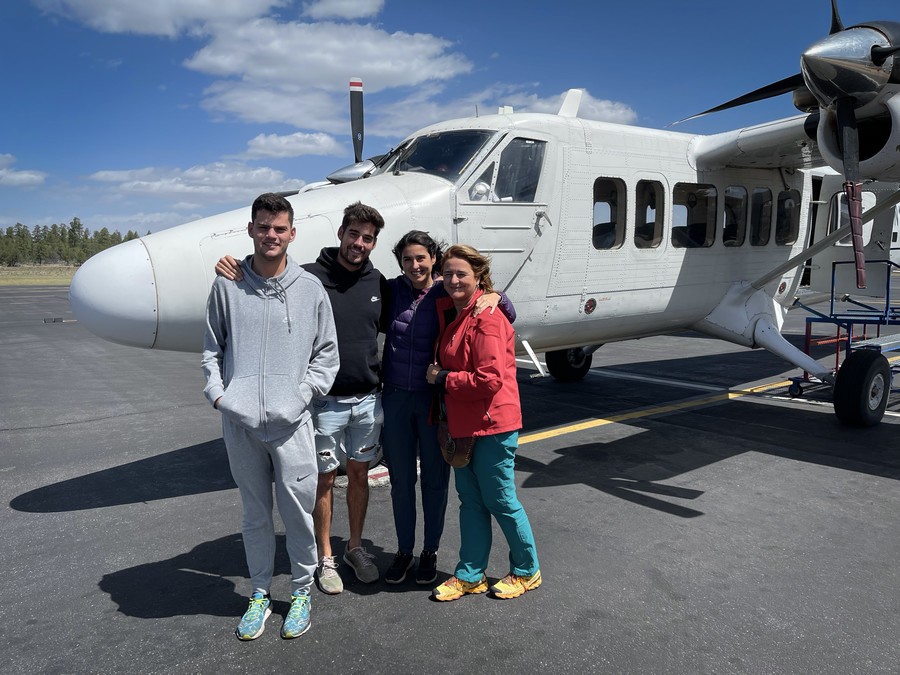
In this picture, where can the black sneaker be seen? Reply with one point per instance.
(397, 572)
(426, 573)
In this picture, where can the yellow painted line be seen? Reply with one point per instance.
(646, 412)
(658, 410)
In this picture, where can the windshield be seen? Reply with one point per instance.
(444, 154)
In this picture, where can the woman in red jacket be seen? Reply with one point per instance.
(476, 370)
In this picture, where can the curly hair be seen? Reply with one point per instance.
(358, 212)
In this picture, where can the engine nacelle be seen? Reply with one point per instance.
(879, 142)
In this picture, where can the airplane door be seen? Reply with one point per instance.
(499, 208)
(876, 240)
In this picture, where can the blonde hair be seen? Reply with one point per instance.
(480, 264)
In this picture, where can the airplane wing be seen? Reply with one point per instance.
(784, 143)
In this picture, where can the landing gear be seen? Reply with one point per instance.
(862, 388)
(569, 365)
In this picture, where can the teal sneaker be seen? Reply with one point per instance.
(296, 623)
(253, 623)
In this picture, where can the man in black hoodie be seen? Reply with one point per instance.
(349, 418)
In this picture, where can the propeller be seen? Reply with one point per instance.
(356, 117)
(842, 74)
(836, 24)
(784, 86)
(880, 54)
(849, 143)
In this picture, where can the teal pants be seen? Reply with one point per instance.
(486, 488)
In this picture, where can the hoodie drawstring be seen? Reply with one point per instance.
(274, 287)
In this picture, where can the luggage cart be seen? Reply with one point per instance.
(864, 380)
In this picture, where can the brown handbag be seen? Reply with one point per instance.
(457, 452)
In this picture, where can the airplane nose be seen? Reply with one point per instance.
(114, 295)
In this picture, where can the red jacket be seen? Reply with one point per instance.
(482, 395)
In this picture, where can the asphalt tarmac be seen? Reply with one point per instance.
(685, 522)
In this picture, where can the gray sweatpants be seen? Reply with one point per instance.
(292, 463)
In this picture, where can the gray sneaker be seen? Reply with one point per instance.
(361, 562)
(328, 577)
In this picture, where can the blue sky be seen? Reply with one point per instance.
(144, 114)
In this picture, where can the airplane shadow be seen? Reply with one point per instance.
(196, 469)
(581, 461)
(659, 449)
(729, 369)
(546, 404)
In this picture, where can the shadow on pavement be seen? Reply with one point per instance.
(197, 469)
(199, 582)
(191, 583)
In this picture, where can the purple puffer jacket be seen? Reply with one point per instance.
(412, 331)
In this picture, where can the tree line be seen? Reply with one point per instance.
(70, 244)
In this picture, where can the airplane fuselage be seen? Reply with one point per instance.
(599, 232)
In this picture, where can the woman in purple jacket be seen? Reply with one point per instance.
(406, 399)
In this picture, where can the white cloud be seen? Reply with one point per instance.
(282, 103)
(298, 73)
(342, 9)
(422, 107)
(591, 108)
(141, 222)
(327, 55)
(211, 183)
(156, 17)
(293, 145)
(19, 179)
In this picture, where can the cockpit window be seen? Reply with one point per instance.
(445, 154)
(514, 176)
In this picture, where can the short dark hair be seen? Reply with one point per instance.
(358, 212)
(422, 239)
(273, 203)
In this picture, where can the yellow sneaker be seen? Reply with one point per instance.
(512, 585)
(454, 588)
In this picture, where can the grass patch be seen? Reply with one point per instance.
(37, 275)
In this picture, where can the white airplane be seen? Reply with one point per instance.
(599, 232)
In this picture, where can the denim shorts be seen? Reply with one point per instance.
(347, 431)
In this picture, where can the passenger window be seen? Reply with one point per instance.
(519, 170)
(760, 216)
(609, 213)
(648, 216)
(693, 215)
(734, 226)
(787, 223)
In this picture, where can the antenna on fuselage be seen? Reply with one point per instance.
(571, 103)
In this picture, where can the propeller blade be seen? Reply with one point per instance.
(356, 117)
(836, 25)
(849, 137)
(784, 86)
(881, 54)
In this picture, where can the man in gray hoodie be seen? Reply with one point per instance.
(270, 348)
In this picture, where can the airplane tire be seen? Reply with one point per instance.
(568, 365)
(862, 388)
